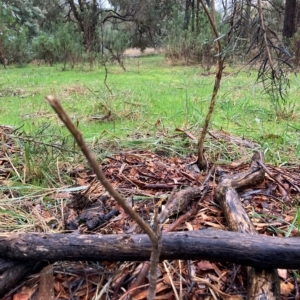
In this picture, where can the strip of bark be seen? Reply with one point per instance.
(262, 283)
(213, 245)
(179, 202)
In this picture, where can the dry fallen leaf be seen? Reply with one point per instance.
(159, 288)
(189, 226)
(24, 294)
(286, 288)
(205, 265)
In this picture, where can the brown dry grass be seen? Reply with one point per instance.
(134, 52)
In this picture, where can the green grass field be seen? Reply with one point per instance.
(152, 98)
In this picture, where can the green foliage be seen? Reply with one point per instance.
(25, 13)
(45, 48)
(42, 150)
(147, 18)
(68, 44)
(62, 43)
(116, 42)
(17, 47)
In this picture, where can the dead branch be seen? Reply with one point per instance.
(262, 283)
(106, 72)
(12, 272)
(154, 236)
(179, 201)
(213, 245)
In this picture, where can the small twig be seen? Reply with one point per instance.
(202, 161)
(154, 260)
(270, 174)
(164, 214)
(261, 17)
(291, 183)
(105, 80)
(208, 175)
(281, 189)
(22, 180)
(33, 140)
(297, 295)
(178, 221)
(135, 288)
(171, 281)
(139, 278)
(180, 280)
(58, 172)
(236, 269)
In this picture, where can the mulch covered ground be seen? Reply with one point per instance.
(147, 179)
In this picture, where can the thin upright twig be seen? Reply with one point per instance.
(106, 72)
(155, 236)
(201, 158)
(262, 22)
(97, 169)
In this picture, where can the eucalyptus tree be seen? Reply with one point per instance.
(86, 15)
(147, 19)
(24, 13)
(90, 17)
(19, 22)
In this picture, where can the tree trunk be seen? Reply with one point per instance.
(187, 12)
(86, 15)
(198, 17)
(208, 244)
(289, 27)
(193, 15)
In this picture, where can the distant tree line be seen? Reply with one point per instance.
(69, 32)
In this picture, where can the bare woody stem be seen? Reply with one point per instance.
(201, 158)
(262, 22)
(97, 169)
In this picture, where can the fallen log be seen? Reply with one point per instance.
(11, 272)
(213, 245)
(263, 283)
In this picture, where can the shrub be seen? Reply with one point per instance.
(17, 47)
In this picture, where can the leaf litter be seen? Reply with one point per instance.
(147, 180)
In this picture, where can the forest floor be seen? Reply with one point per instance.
(146, 179)
(145, 137)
